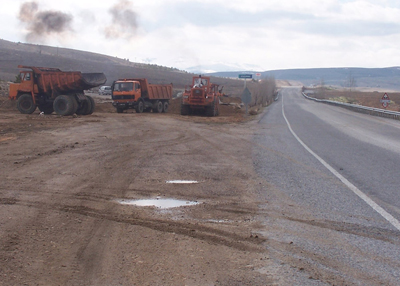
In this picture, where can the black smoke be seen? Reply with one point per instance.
(124, 21)
(42, 24)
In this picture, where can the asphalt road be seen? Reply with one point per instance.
(339, 171)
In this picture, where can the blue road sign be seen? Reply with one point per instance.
(245, 76)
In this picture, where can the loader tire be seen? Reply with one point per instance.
(212, 109)
(25, 104)
(185, 109)
(64, 105)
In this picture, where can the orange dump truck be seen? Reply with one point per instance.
(138, 94)
(51, 90)
(201, 95)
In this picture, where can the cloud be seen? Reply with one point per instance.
(43, 24)
(124, 21)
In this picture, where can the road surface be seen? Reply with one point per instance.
(339, 172)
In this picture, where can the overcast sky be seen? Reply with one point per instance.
(257, 34)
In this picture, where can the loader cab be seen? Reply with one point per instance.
(200, 81)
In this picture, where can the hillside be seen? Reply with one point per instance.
(374, 78)
(14, 54)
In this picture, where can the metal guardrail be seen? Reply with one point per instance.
(359, 108)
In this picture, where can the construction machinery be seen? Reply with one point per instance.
(51, 90)
(201, 95)
(138, 94)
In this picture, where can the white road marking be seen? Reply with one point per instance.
(359, 193)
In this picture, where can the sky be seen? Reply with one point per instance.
(215, 35)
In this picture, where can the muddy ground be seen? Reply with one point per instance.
(62, 179)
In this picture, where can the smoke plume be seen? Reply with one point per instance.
(42, 24)
(124, 21)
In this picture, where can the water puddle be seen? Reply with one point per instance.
(181, 182)
(158, 203)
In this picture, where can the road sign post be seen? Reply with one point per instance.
(385, 100)
(246, 98)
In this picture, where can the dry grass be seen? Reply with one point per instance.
(370, 99)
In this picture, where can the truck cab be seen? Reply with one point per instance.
(123, 91)
(25, 86)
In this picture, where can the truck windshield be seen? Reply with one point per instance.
(123, 86)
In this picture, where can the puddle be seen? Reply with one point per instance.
(181, 182)
(158, 203)
(218, 220)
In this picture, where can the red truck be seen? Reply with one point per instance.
(138, 94)
(51, 89)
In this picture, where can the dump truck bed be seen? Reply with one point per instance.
(158, 91)
(54, 81)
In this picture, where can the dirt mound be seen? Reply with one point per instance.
(6, 104)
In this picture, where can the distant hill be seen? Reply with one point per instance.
(14, 54)
(364, 77)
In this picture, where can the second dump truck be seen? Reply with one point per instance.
(138, 94)
(51, 90)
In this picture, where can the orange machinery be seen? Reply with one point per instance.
(201, 95)
(140, 95)
(51, 89)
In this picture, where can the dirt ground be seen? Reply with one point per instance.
(62, 180)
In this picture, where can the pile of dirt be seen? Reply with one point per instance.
(3, 88)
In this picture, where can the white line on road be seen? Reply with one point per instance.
(359, 193)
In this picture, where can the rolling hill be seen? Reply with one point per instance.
(379, 78)
(13, 54)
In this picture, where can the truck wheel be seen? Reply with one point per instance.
(25, 104)
(139, 107)
(46, 108)
(64, 105)
(75, 104)
(84, 108)
(165, 106)
(158, 107)
(92, 105)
